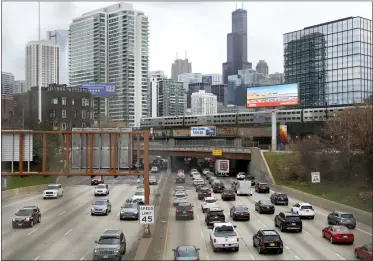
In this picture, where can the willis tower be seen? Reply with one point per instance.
(236, 46)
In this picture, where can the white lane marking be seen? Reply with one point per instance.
(201, 233)
(262, 223)
(82, 258)
(32, 231)
(340, 256)
(36, 258)
(198, 216)
(63, 212)
(68, 232)
(118, 213)
(39, 196)
(81, 201)
(252, 256)
(287, 248)
(325, 215)
(306, 232)
(297, 257)
(364, 231)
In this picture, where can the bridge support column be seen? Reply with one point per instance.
(238, 142)
(274, 131)
(171, 142)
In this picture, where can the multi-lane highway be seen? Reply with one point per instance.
(307, 245)
(67, 230)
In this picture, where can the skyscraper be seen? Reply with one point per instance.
(154, 79)
(42, 64)
(180, 66)
(61, 38)
(236, 46)
(204, 103)
(111, 45)
(262, 67)
(7, 83)
(171, 98)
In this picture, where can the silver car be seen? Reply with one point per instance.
(101, 207)
(129, 211)
(110, 246)
(180, 197)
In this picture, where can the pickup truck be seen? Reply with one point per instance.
(224, 236)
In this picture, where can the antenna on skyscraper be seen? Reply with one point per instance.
(177, 56)
(186, 56)
(242, 4)
(236, 5)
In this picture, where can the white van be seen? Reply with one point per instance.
(243, 187)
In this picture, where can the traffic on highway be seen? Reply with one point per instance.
(94, 219)
(242, 219)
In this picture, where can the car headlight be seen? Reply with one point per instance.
(14, 219)
(136, 212)
(27, 219)
(96, 250)
(92, 208)
(116, 251)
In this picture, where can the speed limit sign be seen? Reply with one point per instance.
(146, 215)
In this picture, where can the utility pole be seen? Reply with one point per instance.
(40, 67)
(326, 111)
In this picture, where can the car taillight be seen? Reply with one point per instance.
(190, 209)
(214, 240)
(177, 211)
(261, 244)
(246, 213)
(281, 245)
(238, 239)
(200, 193)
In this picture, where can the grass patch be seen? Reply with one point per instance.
(285, 165)
(20, 182)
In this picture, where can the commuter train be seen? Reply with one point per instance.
(241, 118)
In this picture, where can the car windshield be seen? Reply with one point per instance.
(151, 178)
(292, 218)
(271, 238)
(347, 216)
(180, 195)
(51, 187)
(101, 202)
(139, 193)
(101, 186)
(130, 205)
(306, 207)
(341, 229)
(264, 185)
(282, 195)
(186, 252)
(204, 190)
(109, 241)
(241, 209)
(210, 200)
(24, 212)
(266, 203)
(369, 247)
(225, 231)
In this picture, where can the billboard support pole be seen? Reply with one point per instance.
(274, 131)
(99, 112)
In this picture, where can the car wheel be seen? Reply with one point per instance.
(44, 198)
(124, 250)
(61, 194)
(236, 249)
(39, 219)
(275, 224)
(356, 255)
(282, 228)
(329, 222)
(254, 243)
(31, 223)
(331, 240)
(107, 212)
(312, 217)
(281, 251)
(259, 250)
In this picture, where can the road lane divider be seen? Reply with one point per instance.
(68, 232)
(32, 231)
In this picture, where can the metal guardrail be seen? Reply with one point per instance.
(167, 147)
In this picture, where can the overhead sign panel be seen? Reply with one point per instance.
(100, 89)
(203, 131)
(272, 96)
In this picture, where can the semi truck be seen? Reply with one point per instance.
(222, 168)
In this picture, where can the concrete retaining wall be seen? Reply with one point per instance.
(362, 216)
(22, 191)
(259, 167)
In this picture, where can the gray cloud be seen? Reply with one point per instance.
(199, 27)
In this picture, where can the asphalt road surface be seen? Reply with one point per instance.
(67, 230)
(307, 245)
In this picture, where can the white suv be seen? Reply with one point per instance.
(53, 191)
(303, 210)
(102, 189)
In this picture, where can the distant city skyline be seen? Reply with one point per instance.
(206, 55)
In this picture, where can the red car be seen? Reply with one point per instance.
(364, 252)
(338, 234)
(97, 180)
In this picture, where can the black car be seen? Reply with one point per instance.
(186, 253)
(240, 212)
(26, 217)
(214, 215)
(184, 210)
(265, 207)
(279, 199)
(268, 241)
(218, 187)
(228, 194)
(262, 187)
(204, 192)
(251, 178)
(288, 221)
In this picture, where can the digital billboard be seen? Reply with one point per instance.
(100, 89)
(203, 131)
(272, 96)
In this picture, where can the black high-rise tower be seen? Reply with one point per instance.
(236, 46)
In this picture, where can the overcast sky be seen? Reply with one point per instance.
(200, 28)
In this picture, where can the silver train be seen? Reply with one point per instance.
(241, 118)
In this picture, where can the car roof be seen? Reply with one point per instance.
(184, 205)
(269, 232)
(98, 200)
(112, 232)
(30, 207)
(304, 204)
(265, 202)
(289, 213)
(240, 206)
(53, 184)
(186, 247)
(209, 198)
(179, 187)
(262, 183)
(341, 212)
(215, 209)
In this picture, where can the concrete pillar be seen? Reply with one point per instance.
(238, 142)
(171, 142)
(274, 131)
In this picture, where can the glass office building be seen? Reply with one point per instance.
(332, 62)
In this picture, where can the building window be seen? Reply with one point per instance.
(86, 102)
(83, 114)
(84, 125)
(63, 114)
(63, 100)
(52, 114)
(88, 115)
(75, 114)
(63, 126)
(72, 101)
(83, 101)
(54, 101)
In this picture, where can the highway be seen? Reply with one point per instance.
(307, 245)
(67, 230)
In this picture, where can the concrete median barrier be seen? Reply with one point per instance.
(360, 215)
(21, 191)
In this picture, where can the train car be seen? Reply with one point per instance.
(318, 114)
(289, 115)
